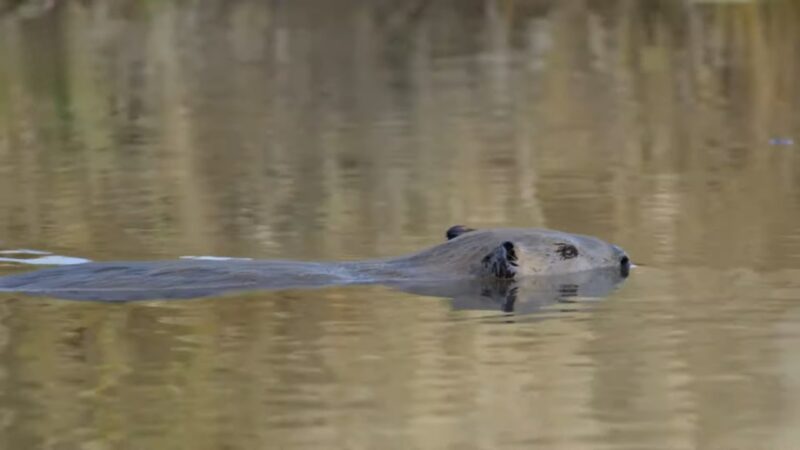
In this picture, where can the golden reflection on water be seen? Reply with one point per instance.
(136, 130)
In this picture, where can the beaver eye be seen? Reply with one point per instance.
(566, 251)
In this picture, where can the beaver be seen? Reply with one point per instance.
(468, 254)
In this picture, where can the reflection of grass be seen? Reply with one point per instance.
(170, 127)
(308, 129)
(26, 9)
(5, 79)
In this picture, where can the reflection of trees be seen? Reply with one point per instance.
(387, 122)
(314, 129)
(362, 126)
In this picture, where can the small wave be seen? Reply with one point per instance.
(24, 251)
(216, 258)
(781, 141)
(48, 260)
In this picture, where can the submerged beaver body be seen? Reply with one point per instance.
(495, 254)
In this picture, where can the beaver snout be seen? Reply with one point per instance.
(623, 259)
(624, 266)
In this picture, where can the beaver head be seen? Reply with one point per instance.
(508, 253)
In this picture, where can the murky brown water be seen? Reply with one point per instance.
(340, 130)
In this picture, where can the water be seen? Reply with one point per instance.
(314, 130)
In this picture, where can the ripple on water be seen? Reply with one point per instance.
(38, 258)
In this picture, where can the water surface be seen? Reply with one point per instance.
(313, 130)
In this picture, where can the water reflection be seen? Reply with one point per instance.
(523, 296)
(347, 130)
(259, 130)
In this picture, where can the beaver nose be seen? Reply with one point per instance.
(624, 266)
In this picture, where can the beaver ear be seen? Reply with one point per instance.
(502, 261)
(456, 231)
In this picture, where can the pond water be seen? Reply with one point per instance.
(133, 130)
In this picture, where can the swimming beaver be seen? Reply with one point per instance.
(493, 254)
